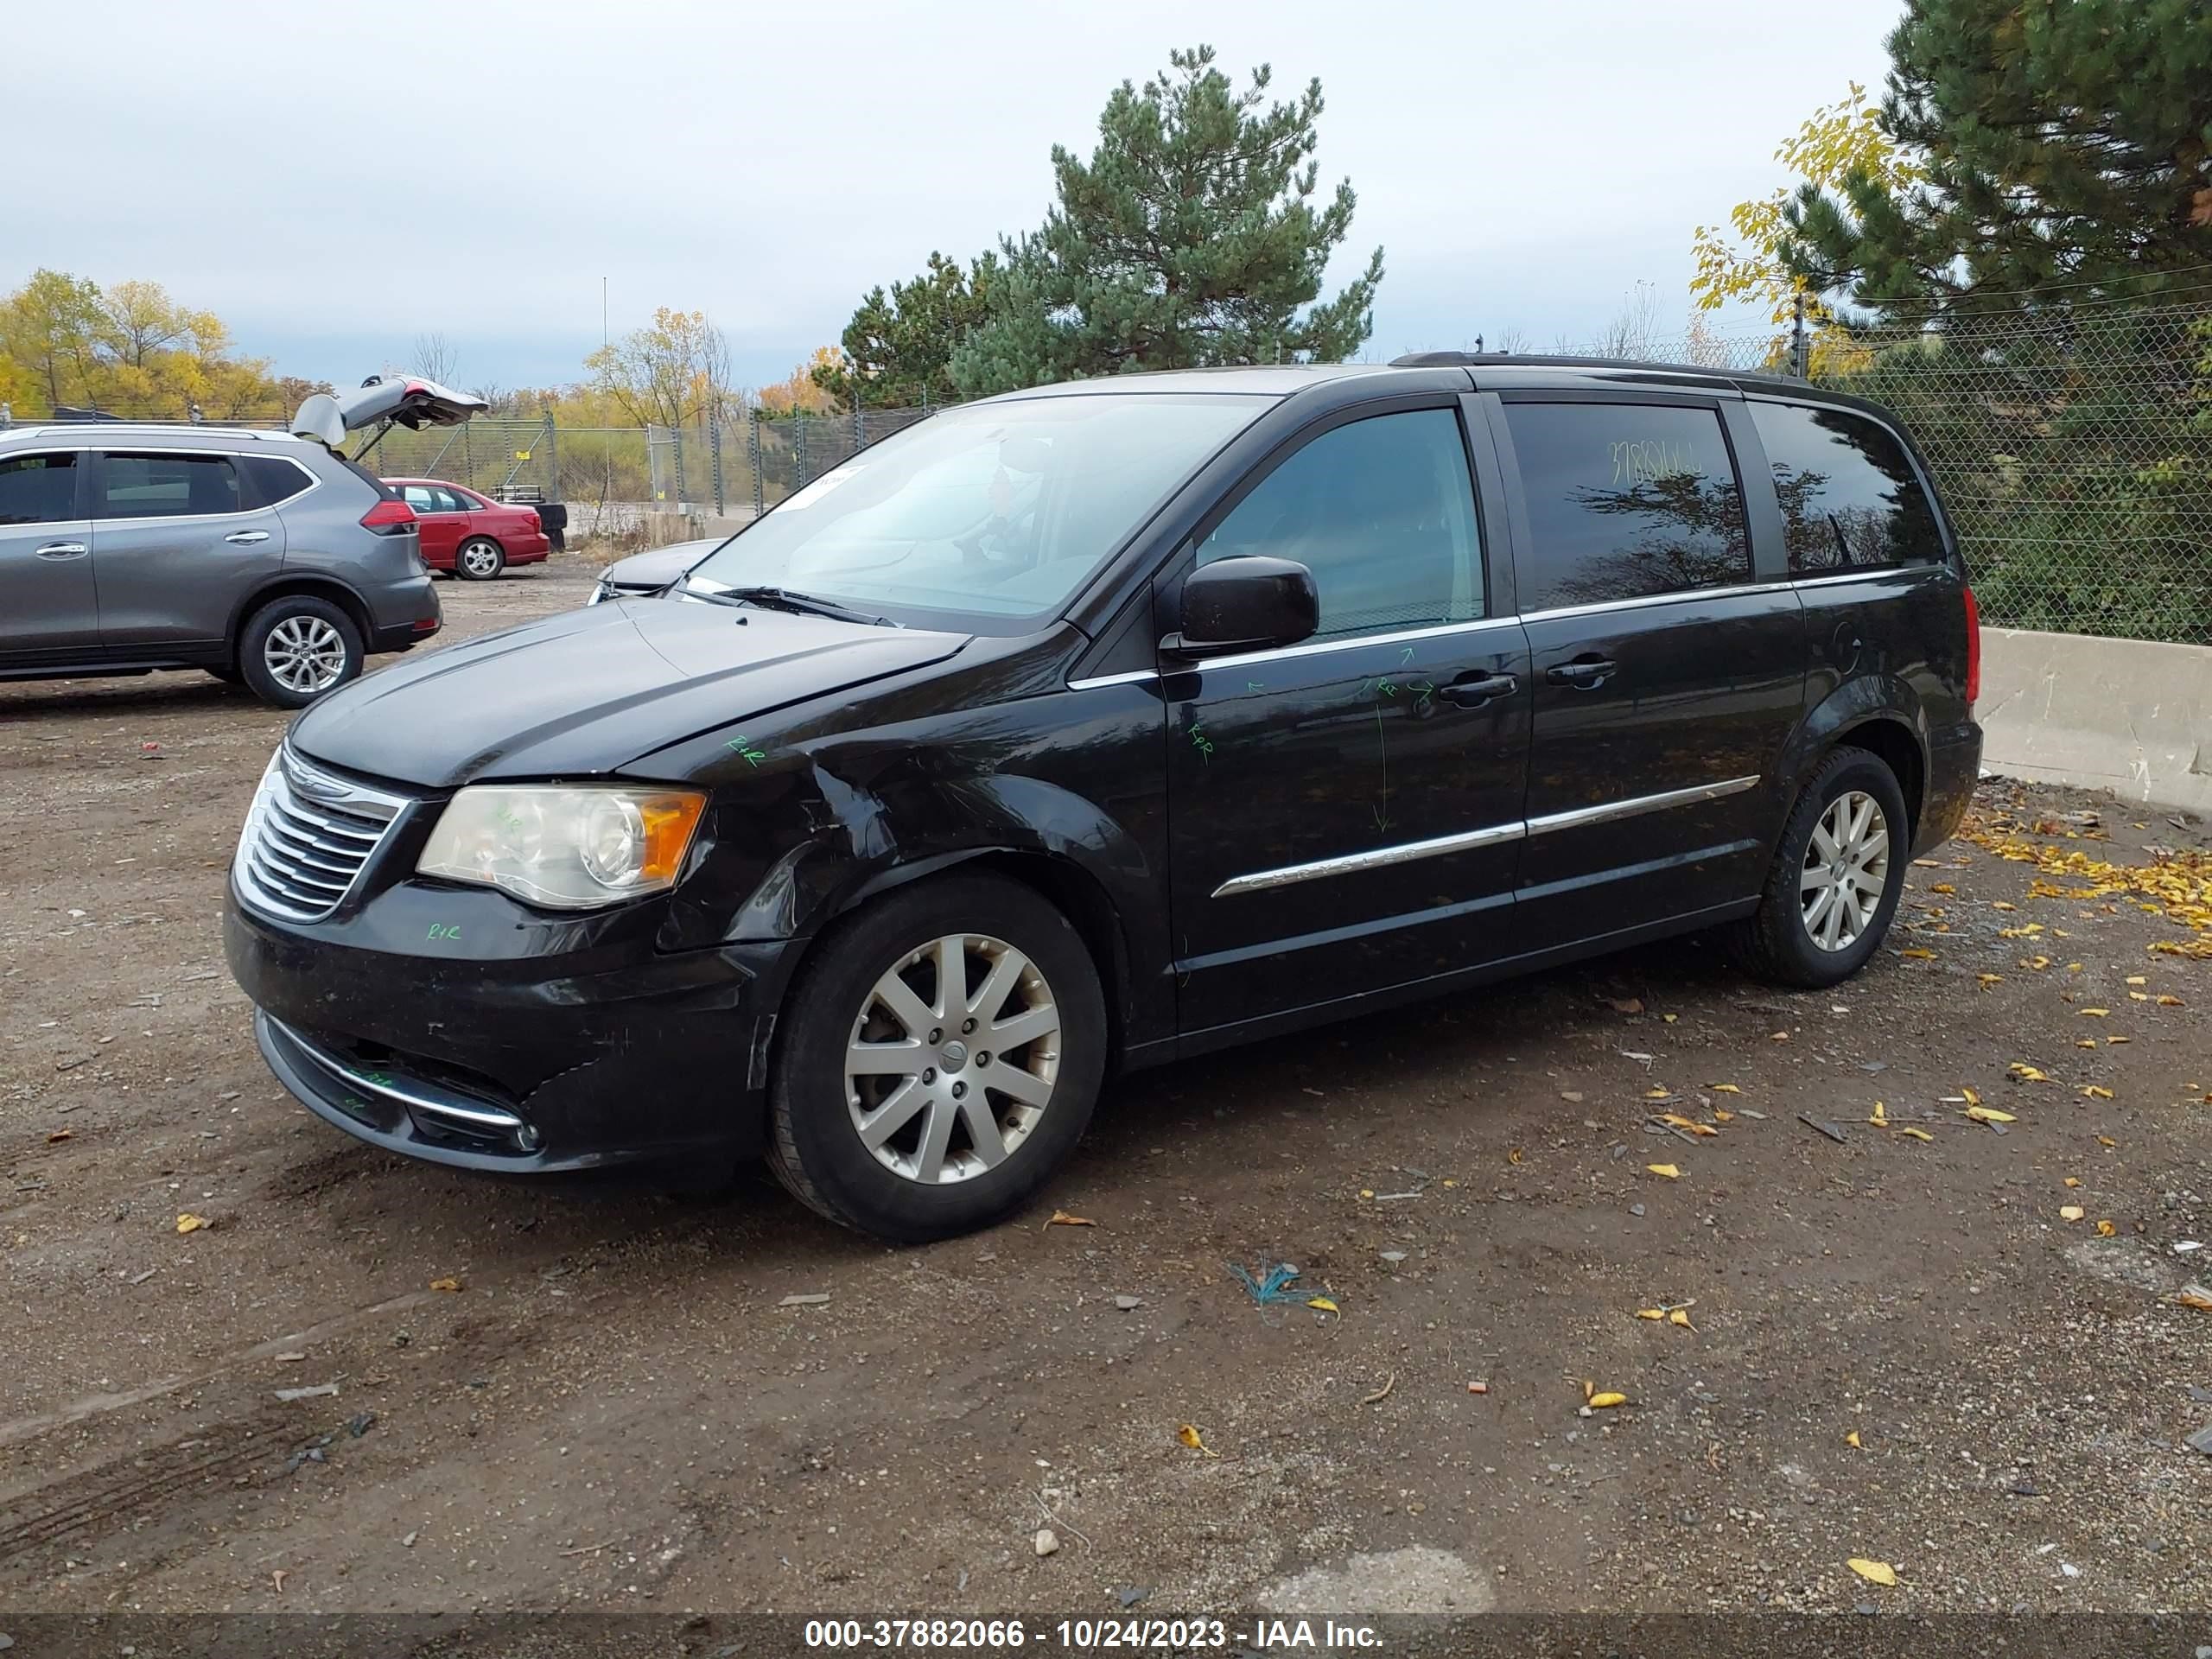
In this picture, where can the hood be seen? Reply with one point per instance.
(656, 569)
(587, 691)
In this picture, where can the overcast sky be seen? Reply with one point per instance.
(333, 181)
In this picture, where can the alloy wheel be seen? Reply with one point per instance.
(304, 654)
(480, 559)
(952, 1059)
(1847, 868)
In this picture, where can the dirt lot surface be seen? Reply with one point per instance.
(1894, 1344)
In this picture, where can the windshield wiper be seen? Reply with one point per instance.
(782, 598)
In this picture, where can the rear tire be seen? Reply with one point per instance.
(478, 559)
(906, 1125)
(1833, 885)
(297, 649)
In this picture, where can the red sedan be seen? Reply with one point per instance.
(473, 538)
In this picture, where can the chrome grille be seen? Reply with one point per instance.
(308, 836)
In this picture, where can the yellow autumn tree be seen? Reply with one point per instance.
(671, 372)
(1741, 263)
(802, 392)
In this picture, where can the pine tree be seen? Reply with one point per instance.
(1191, 237)
(2061, 141)
(899, 346)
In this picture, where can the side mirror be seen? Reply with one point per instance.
(1248, 603)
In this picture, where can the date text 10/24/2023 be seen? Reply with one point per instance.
(1083, 1635)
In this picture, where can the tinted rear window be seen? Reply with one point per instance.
(1626, 500)
(274, 479)
(1850, 499)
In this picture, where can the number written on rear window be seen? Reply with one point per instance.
(1850, 499)
(1626, 500)
(165, 487)
(38, 489)
(1383, 513)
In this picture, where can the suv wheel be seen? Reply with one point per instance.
(1836, 875)
(942, 1056)
(296, 649)
(480, 559)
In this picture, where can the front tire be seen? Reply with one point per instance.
(1833, 885)
(941, 1058)
(478, 559)
(296, 649)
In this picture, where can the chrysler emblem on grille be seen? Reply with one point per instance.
(312, 783)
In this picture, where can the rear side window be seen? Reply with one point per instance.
(274, 479)
(165, 487)
(1381, 511)
(38, 489)
(1850, 499)
(1625, 501)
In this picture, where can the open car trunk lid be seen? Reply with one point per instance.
(403, 400)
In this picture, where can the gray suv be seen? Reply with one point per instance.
(263, 558)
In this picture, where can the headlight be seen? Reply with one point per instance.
(567, 848)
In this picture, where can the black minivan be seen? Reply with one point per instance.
(1098, 725)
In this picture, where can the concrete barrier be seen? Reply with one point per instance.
(2123, 714)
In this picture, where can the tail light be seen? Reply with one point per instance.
(1974, 650)
(389, 517)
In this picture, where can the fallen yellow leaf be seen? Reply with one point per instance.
(2106, 1141)
(1677, 1316)
(1942, 887)
(2139, 996)
(190, 1223)
(2073, 1181)
(1720, 1115)
(1513, 1154)
(2095, 1014)
(1686, 1124)
(1657, 1093)
(1724, 1087)
(2026, 1073)
(1917, 1134)
(2004, 904)
(1918, 955)
(1062, 1218)
(1873, 1571)
(1669, 1018)
(2036, 963)
(1650, 1312)
(2165, 1002)
(1879, 1116)
(2070, 1212)
(1970, 1097)
(1990, 1114)
(1851, 1439)
(445, 1284)
(2091, 1091)
(2192, 1297)
(2106, 1229)
(1606, 1399)
(1667, 1171)
(2085, 1042)
(1366, 1192)
(2139, 979)
(1324, 1304)
(1987, 980)
(1188, 1433)
(2119, 1039)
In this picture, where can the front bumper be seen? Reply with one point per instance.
(526, 1064)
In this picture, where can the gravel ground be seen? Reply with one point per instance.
(1893, 1345)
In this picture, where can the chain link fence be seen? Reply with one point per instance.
(2072, 445)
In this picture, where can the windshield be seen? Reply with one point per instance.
(982, 517)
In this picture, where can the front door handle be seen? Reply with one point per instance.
(1584, 673)
(63, 550)
(247, 537)
(1488, 688)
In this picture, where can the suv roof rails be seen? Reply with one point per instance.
(1538, 361)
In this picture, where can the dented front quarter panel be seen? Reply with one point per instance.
(825, 805)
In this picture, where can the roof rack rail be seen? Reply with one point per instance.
(1540, 361)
